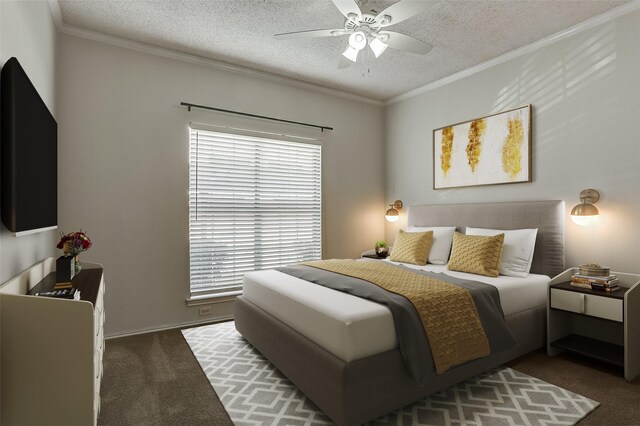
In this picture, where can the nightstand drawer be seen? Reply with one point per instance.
(603, 307)
(596, 306)
(567, 301)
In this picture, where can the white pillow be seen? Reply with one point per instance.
(442, 239)
(517, 249)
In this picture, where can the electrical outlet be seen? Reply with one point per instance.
(207, 310)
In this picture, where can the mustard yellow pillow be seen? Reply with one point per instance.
(412, 247)
(476, 254)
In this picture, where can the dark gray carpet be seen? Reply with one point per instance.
(154, 379)
(619, 400)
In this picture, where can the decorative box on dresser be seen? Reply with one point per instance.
(51, 362)
(597, 324)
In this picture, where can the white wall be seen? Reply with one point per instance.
(27, 32)
(585, 93)
(123, 148)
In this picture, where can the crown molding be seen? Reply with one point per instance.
(56, 14)
(197, 60)
(546, 41)
(63, 28)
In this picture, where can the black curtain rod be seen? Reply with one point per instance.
(245, 114)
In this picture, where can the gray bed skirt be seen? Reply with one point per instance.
(352, 393)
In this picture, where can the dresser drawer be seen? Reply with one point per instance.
(100, 340)
(97, 323)
(587, 304)
(98, 367)
(96, 408)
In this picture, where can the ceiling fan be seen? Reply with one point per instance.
(370, 28)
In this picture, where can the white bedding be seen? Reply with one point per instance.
(353, 328)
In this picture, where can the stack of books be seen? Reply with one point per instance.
(63, 285)
(67, 293)
(595, 277)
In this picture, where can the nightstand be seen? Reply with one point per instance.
(371, 254)
(600, 325)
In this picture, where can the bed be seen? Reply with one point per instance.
(341, 351)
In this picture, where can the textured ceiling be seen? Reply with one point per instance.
(240, 32)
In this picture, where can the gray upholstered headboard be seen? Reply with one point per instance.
(547, 216)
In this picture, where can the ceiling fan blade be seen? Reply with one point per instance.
(347, 7)
(311, 34)
(400, 11)
(404, 42)
(344, 62)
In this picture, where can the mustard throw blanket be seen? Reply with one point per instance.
(448, 313)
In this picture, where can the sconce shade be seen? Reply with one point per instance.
(393, 214)
(585, 210)
(586, 213)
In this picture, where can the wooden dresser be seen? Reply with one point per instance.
(51, 349)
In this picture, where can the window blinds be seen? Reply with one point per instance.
(254, 203)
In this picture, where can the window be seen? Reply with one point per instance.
(254, 203)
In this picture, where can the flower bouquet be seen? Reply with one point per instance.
(73, 244)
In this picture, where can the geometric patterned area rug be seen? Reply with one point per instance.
(254, 392)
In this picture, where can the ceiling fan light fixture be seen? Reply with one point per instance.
(369, 28)
(351, 54)
(377, 47)
(358, 40)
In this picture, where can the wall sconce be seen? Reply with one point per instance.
(586, 213)
(392, 214)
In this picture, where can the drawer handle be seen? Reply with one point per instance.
(583, 304)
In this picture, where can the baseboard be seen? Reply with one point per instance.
(170, 327)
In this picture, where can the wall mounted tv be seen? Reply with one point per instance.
(29, 155)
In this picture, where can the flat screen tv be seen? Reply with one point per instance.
(29, 155)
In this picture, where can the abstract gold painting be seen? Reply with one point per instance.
(491, 150)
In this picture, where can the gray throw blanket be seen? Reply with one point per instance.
(412, 339)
